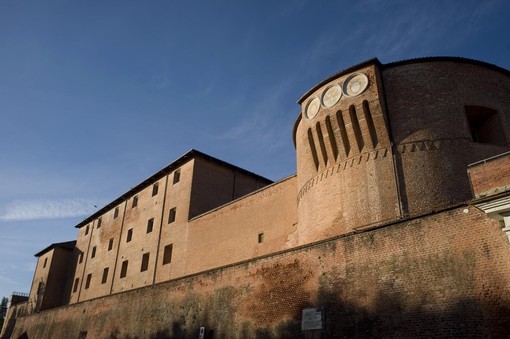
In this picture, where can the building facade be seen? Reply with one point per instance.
(395, 224)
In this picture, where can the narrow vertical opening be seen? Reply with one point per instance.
(123, 269)
(135, 202)
(105, 275)
(145, 262)
(311, 142)
(87, 282)
(343, 132)
(355, 127)
(155, 188)
(167, 254)
(332, 139)
(370, 124)
(76, 283)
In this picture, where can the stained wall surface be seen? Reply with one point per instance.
(411, 279)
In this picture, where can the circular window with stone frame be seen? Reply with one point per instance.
(312, 108)
(331, 95)
(355, 84)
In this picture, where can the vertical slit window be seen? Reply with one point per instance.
(332, 139)
(87, 282)
(123, 269)
(177, 176)
(129, 235)
(343, 133)
(145, 262)
(105, 275)
(355, 128)
(311, 142)
(99, 223)
(167, 254)
(116, 213)
(93, 252)
(110, 244)
(370, 123)
(150, 225)
(135, 201)
(171, 215)
(155, 188)
(45, 262)
(76, 283)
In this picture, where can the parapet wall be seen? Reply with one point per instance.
(430, 277)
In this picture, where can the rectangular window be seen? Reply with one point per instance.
(93, 252)
(145, 262)
(116, 213)
(123, 269)
(105, 275)
(150, 225)
(485, 125)
(135, 202)
(45, 262)
(167, 254)
(87, 230)
(76, 282)
(171, 215)
(87, 283)
(261, 238)
(155, 189)
(129, 235)
(110, 244)
(98, 222)
(177, 176)
(81, 257)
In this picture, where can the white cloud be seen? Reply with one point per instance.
(48, 209)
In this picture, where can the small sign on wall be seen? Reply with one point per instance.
(312, 319)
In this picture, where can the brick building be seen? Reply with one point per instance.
(395, 225)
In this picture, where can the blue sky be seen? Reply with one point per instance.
(95, 96)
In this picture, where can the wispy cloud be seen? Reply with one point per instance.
(47, 209)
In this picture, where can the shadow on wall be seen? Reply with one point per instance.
(390, 319)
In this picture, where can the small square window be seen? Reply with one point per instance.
(155, 189)
(99, 223)
(150, 225)
(105, 275)
(93, 252)
(177, 176)
(87, 283)
(261, 238)
(167, 254)
(116, 213)
(129, 235)
(135, 202)
(145, 262)
(123, 269)
(171, 215)
(76, 283)
(110, 244)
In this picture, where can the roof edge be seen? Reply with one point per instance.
(68, 245)
(191, 154)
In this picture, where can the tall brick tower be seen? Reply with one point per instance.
(377, 143)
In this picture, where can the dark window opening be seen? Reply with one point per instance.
(177, 176)
(105, 275)
(155, 189)
(167, 254)
(87, 230)
(129, 235)
(261, 238)
(485, 126)
(81, 257)
(98, 222)
(150, 225)
(87, 283)
(110, 244)
(116, 213)
(93, 252)
(145, 262)
(76, 282)
(171, 215)
(135, 202)
(45, 262)
(123, 269)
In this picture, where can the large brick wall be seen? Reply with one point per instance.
(491, 176)
(443, 275)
